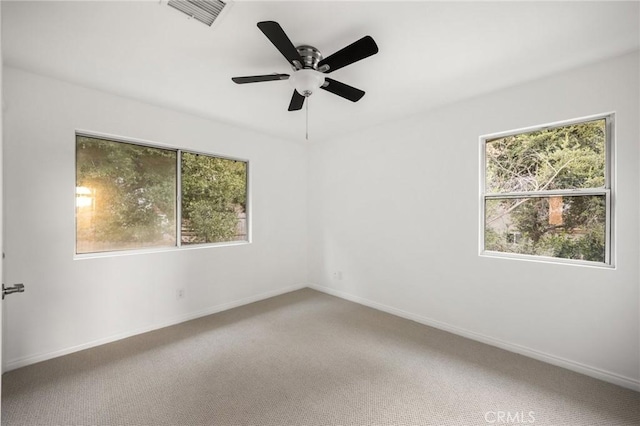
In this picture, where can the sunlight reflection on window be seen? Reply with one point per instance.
(84, 196)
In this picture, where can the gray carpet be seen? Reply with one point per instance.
(306, 358)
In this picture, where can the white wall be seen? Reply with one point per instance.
(70, 304)
(395, 209)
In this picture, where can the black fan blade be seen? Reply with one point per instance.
(344, 90)
(277, 36)
(259, 78)
(297, 100)
(354, 52)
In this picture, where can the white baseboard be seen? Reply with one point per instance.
(28, 360)
(587, 370)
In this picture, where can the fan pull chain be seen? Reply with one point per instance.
(307, 110)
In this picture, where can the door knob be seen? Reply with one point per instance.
(18, 288)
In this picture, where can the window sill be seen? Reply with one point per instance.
(545, 259)
(153, 250)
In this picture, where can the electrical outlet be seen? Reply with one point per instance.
(180, 293)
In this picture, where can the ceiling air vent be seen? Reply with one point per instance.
(205, 11)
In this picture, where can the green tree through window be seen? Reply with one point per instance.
(546, 192)
(214, 197)
(126, 197)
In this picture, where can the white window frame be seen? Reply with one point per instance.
(178, 245)
(608, 191)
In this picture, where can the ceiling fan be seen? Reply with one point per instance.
(309, 67)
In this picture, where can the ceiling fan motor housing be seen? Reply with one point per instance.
(310, 56)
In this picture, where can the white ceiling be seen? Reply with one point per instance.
(431, 53)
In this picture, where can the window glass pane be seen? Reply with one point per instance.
(125, 196)
(214, 199)
(568, 157)
(570, 227)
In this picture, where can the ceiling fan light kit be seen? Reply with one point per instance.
(306, 81)
(309, 67)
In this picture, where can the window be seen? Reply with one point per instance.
(546, 192)
(131, 196)
(214, 199)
